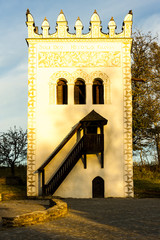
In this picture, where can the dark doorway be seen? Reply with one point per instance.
(98, 187)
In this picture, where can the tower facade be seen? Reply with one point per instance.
(79, 110)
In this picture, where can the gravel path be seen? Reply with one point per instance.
(108, 219)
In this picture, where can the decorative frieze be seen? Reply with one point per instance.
(79, 59)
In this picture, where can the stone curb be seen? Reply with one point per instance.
(59, 209)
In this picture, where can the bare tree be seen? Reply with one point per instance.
(13, 147)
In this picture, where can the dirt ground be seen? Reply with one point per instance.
(107, 219)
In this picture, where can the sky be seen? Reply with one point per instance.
(14, 50)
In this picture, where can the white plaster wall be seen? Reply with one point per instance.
(54, 122)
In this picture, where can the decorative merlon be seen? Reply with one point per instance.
(128, 17)
(95, 17)
(45, 27)
(78, 27)
(112, 26)
(127, 26)
(95, 25)
(61, 17)
(94, 29)
(62, 26)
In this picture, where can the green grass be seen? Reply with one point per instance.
(146, 181)
(10, 191)
(20, 171)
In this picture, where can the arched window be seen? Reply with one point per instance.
(97, 91)
(62, 93)
(79, 92)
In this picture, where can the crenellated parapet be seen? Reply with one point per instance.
(95, 29)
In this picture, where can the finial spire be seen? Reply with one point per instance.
(112, 19)
(130, 12)
(61, 12)
(28, 12)
(95, 11)
(78, 18)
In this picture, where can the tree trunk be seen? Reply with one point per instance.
(13, 169)
(157, 138)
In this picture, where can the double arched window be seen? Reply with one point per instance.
(79, 91)
(62, 92)
(97, 91)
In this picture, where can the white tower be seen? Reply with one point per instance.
(76, 82)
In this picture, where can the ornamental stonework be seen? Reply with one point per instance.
(128, 164)
(79, 59)
(32, 91)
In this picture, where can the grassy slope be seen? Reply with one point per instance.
(9, 191)
(146, 181)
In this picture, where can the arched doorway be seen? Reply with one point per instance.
(98, 187)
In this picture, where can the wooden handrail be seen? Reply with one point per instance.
(61, 145)
(65, 168)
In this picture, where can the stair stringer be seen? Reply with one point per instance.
(66, 167)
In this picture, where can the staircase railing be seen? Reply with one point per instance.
(90, 143)
(65, 168)
(61, 145)
(93, 143)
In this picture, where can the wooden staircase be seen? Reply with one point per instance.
(90, 143)
(65, 168)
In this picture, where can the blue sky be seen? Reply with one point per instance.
(14, 50)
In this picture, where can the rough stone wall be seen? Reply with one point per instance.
(58, 210)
